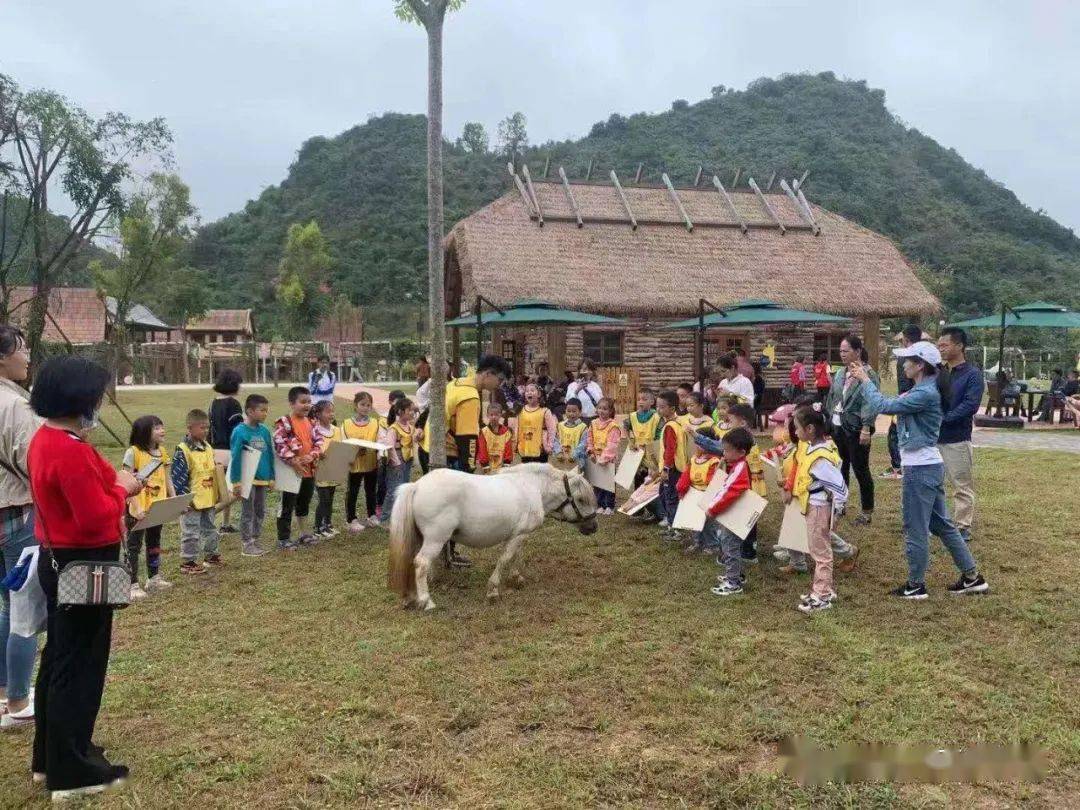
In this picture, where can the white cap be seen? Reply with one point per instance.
(924, 350)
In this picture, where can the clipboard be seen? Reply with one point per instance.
(691, 512)
(286, 478)
(641, 497)
(336, 461)
(378, 446)
(163, 511)
(793, 534)
(743, 515)
(601, 476)
(771, 473)
(628, 467)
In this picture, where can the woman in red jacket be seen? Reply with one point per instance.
(79, 500)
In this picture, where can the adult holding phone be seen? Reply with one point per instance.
(586, 390)
(853, 421)
(322, 381)
(18, 423)
(923, 506)
(79, 501)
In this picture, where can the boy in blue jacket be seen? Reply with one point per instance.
(252, 433)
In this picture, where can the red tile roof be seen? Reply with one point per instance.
(77, 311)
(223, 320)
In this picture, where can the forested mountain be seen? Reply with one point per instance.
(976, 242)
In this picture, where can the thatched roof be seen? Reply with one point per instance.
(661, 268)
(223, 320)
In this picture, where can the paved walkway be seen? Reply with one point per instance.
(1061, 441)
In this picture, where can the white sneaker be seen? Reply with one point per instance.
(355, 527)
(157, 583)
(20, 719)
(137, 592)
(663, 523)
(373, 522)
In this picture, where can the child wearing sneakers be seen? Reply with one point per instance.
(252, 434)
(643, 429)
(322, 419)
(296, 444)
(698, 475)
(193, 473)
(819, 489)
(671, 439)
(737, 443)
(402, 436)
(364, 425)
(148, 460)
(602, 444)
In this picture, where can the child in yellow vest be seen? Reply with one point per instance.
(364, 424)
(495, 446)
(672, 438)
(602, 444)
(325, 432)
(819, 489)
(402, 436)
(721, 416)
(535, 434)
(147, 459)
(570, 442)
(695, 420)
(193, 473)
(698, 475)
(643, 429)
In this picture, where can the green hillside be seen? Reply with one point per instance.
(975, 240)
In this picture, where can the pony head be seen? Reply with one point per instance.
(579, 507)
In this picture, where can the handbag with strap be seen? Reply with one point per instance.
(94, 583)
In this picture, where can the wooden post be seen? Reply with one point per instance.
(678, 203)
(588, 173)
(772, 179)
(547, 166)
(532, 194)
(730, 203)
(765, 204)
(455, 348)
(637, 174)
(872, 339)
(570, 197)
(625, 202)
(556, 338)
(697, 177)
(735, 179)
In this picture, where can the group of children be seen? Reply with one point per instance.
(300, 439)
(683, 446)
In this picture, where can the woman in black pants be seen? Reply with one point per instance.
(80, 504)
(853, 423)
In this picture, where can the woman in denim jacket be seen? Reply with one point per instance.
(918, 413)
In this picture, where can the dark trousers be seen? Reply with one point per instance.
(855, 458)
(541, 459)
(669, 495)
(152, 538)
(380, 483)
(294, 503)
(604, 499)
(369, 480)
(749, 545)
(70, 680)
(324, 509)
(894, 447)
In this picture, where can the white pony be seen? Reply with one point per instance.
(479, 511)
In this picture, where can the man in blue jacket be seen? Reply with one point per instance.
(966, 386)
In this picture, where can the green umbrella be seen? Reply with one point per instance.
(756, 311)
(524, 313)
(533, 312)
(1039, 315)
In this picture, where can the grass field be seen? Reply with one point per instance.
(613, 678)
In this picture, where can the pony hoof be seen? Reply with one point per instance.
(493, 597)
(517, 581)
(428, 605)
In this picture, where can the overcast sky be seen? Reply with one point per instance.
(244, 82)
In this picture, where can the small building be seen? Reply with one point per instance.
(222, 326)
(75, 314)
(647, 254)
(143, 326)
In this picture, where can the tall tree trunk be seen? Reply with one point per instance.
(436, 288)
(39, 304)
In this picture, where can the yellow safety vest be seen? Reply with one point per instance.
(570, 435)
(201, 475)
(157, 488)
(367, 459)
(700, 467)
(530, 432)
(600, 434)
(804, 460)
(405, 437)
(496, 445)
(757, 471)
(644, 433)
(686, 448)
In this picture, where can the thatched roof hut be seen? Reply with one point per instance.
(650, 253)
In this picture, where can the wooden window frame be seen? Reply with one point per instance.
(831, 346)
(604, 336)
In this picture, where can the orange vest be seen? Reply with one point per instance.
(700, 468)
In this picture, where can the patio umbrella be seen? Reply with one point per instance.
(751, 312)
(525, 313)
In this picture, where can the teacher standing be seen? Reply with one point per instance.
(18, 423)
(79, 502)
(586, 390)
(853, 422)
